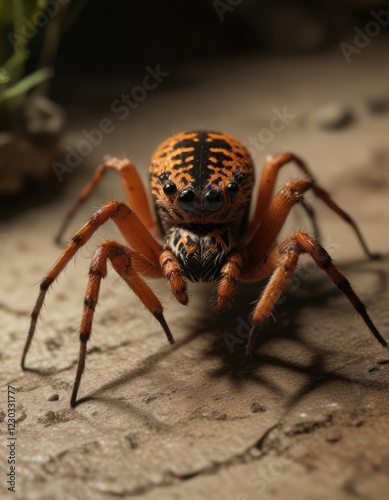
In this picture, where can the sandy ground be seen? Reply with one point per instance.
(307, 418)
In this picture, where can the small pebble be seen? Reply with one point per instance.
(53, 397)
(333, 116)
(133, 442)
(149, 399)
(334, 438)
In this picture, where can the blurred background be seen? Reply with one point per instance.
(70, 68)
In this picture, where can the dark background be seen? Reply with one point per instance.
(105, 47)
(109, 38)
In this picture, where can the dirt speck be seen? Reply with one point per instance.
(258, 408)
(55, 417)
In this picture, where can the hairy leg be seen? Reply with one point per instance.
(275, 217)
(172, 271)
(266, 189)
(133, 230)
(133, 188)
(229, 276)
(281, 264)
(122, 261)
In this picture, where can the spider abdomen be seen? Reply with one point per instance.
(201, 251)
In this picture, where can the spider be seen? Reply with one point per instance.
(202, 187)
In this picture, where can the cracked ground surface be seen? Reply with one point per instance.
(306, 418)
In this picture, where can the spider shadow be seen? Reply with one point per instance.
(234, 365)
(230, 349)
(145, 367)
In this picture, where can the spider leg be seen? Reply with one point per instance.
(229, 275)
(171, 269)
(132, 229)
(266, 189)
(124, 261)
(283, 261)
(312, 215)
(133, 188)
(275, 216)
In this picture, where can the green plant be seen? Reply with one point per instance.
(15, 85)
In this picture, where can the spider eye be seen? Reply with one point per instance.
(233, 187)
(213, 200)
(188, 201)
(169, 188)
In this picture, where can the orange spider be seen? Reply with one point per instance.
(202, 186)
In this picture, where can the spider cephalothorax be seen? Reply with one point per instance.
(202, 185)
(202, 178)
